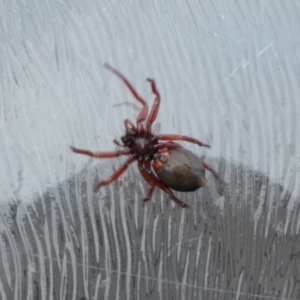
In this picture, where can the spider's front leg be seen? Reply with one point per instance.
(143, 114)
(155, 106)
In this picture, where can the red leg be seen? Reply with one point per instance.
(166, 146)
(174, 137)
(209, 168)
(143, 114)
(129, 125)
(100, 154)
(131, 129)
(154, 181)
(117, 174)
(118, 143)
(152, 186)
(155, 107)
(150, 193)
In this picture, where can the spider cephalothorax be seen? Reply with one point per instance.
(141, 145)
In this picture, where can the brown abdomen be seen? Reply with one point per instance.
(180, 169)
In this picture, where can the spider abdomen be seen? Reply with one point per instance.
(180, 169)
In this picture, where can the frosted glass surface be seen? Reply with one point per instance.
(228, 74)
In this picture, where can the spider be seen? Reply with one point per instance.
(158, 152)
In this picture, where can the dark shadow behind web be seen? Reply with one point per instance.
(233, 243)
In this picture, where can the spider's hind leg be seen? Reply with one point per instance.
(153, 181)
(216, 175)
(150, 193)
(174, 137)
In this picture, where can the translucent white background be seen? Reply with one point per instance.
(227, 71)
(228, 74)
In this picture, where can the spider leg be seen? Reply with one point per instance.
(116, 142)
(155, 107)
(152, 186)
(154, 181)
(100, 154)
(166, 146)
(209, 168)
(143, 114)
(174, 137)
(117, 174)
(129, 125)
(150, 193)
(131, 128)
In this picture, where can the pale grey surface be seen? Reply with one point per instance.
(228, 74)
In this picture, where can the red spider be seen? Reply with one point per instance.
(141, 145)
